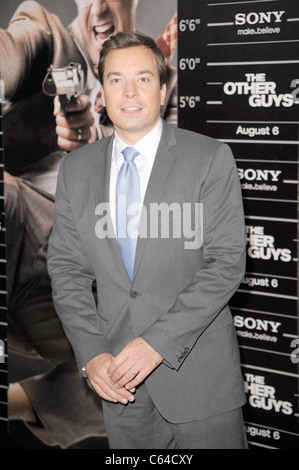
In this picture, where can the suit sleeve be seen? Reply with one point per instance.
(209, 292)
(33, 41)
(28, 39)
(72, 277)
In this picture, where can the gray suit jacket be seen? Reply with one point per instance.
(178, 299)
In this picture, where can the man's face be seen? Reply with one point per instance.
(132, 93)
(100, 19)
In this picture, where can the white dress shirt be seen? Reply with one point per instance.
(147, 148)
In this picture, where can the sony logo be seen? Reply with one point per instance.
(261, 17)
(258, 175)
(257, 324)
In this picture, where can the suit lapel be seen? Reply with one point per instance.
(160, 171)
(101, 174)
(102, 195)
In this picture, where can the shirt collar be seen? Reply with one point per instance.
(147, 146)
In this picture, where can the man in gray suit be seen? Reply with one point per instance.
(159, 346)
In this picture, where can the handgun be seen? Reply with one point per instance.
(66, 83)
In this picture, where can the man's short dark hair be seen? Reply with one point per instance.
(132, 39)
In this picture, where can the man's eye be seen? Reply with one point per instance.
(144, 79)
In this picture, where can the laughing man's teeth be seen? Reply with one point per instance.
(104, 28)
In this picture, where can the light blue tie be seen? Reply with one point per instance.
(128, 208)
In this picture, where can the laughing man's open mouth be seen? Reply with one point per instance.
(103, 32)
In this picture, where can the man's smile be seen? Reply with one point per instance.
(131, 109)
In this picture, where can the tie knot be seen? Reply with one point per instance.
(130, 154)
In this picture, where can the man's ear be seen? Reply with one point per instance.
(103, 97)
(163, 94)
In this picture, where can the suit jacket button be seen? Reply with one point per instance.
(133, 294)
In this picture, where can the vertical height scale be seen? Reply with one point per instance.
(3, 305)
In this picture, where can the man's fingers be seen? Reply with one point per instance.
(119, 367)
(135, 382)
(110, 395)
(116, 374)
(102, 394)
(72, 139)
(81, 103)
(119, 395)
(75, 120)
(124, 379)
(76, 134)
(101, 383)
(138, 357)
(70, 145)
(77, 127)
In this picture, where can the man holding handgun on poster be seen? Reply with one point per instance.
(57, 405)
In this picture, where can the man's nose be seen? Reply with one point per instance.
(98, 7)
(130, 90)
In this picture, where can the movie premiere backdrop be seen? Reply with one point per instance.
(238, 69)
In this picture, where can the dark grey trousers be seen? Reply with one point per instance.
(141, 426)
